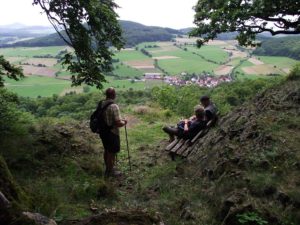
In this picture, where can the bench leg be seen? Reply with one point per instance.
(172, 155)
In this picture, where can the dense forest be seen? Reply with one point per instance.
(133, 33)
(284, 46)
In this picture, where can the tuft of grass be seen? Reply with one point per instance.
(295, 73)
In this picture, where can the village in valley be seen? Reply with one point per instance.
(205, 80)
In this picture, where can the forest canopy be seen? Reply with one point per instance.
(248, 17)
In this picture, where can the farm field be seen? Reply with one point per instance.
(45, 76)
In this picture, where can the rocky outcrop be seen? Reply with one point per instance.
(253, 154)
(39, 219)
(13, 201)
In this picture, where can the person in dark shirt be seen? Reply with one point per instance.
(188, 128)
(210, 109)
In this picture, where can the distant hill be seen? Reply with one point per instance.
(134, 33)
(283, 46)
(13, 33)
(23, 31)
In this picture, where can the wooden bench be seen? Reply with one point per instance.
(183, 148)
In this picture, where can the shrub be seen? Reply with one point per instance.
(295, 73)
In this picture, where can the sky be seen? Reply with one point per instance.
(165, 13)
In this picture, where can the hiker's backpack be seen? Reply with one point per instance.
(97, 122)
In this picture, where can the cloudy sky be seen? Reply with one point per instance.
(166, 13)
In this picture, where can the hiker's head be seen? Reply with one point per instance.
(205, 101)
(110, 93)
(199, 112)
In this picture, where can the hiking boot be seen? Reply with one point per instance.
(112, 173)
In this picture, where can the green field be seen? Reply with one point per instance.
(122, 70)
(171, 59)
(37, 86)
(30, 52)
(214, 53)
(186, 62)
(129, 55)
(281, 62)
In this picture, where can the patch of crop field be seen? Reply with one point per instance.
(130, 55)
(128, 49)
(187, 62)
(232, 42)
(255, 61)
(141, 64)
(281, 62)
(239, 73)
(235, 62)
(126, 71)
(35, 86)
(163, 47)
(152, 70)
(264, 69)
(217, 43)
(147, 44)
(41, 71)
(31, 51)
(63, 73)
(124, 84)
(49, 62)
(77, 90)
(186, 40)
(236, 53)
(223, 70)
(165, 57)
(15, 60)
(214, 53)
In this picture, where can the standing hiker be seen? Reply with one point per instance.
(111, 137)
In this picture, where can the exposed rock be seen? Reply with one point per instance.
(231, 217)
(236, 198)
(8, 186)
(186, 214)
(39, 219)
(4, 203)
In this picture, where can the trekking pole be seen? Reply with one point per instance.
(126, 134)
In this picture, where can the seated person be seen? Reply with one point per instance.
(188, 128)
(210, 109)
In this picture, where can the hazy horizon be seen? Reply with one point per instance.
(175, 14)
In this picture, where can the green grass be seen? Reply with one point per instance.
(30, 52)
(126, 71)
(130, 55)
(281, 62)
(241, 75)
(186, 63)
(145, 44)
(37, 86)
(214, 53)
(124, 84)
